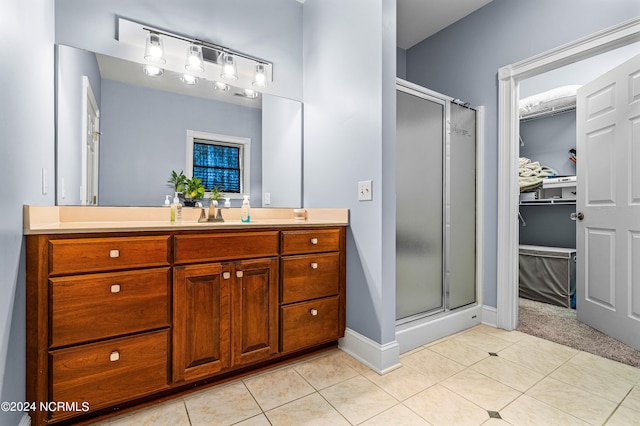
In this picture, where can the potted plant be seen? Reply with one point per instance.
(177, 181)
(193, 190)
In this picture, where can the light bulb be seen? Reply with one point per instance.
(194, 61)
(260, 78)
(189, 79)
(152, 70)
(229, 68)
(220, 86)
(250, 94)
(154, 50)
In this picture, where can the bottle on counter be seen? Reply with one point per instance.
(245, 214)
(176, 209)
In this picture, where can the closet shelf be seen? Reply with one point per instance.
(547, 201)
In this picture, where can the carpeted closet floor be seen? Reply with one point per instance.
(559, 325)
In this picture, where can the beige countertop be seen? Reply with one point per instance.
(79, 219)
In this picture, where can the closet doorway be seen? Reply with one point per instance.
(510, 77)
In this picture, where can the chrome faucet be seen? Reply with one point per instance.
(203, 215)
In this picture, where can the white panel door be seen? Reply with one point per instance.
(608, 203)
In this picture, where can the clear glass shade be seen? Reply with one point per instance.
(260, 78)
(152, 70)
(229, 71)
(189, 79)
(154, 49)
(194, 62)
(220, 86)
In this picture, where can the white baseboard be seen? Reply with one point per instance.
(381, 358)
(25, 420)
(490, 316)
(420, 332)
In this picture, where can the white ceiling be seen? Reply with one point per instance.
(419, 19)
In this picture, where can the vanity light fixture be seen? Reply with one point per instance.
(210, 59)
(154, 49)
(260, 77)
(229, 70)
(194, 62)
(152, 70)
(189, 79)
(220, 86)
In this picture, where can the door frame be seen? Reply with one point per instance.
(509, 78)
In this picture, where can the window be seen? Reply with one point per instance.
(219, 160)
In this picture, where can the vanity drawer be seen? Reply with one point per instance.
(310, 241)
(109, 372)
(68, 256)
(225, 246)
(97, 306)
(309, 276)
(310, 323)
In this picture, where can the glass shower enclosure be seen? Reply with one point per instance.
(435, 204)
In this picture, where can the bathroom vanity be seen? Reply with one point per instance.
(124, 307)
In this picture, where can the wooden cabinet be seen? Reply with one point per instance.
(312, 295)
(224, 315)
(98, 320)
(254, 306)
(201, 321)
(114, 318)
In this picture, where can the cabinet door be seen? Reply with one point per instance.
(254, 297)
(201, 320)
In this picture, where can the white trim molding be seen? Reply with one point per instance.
(25, 420)
(508, 133)
(381, 358)
(222, 139)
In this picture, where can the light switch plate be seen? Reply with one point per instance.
(364, 191)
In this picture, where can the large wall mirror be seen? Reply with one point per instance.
(120, 133)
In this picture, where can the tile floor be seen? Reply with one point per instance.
(480, 376)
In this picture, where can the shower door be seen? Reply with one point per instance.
(419, 206)
(435, 204)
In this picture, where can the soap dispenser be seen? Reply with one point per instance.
(176, 209)
(246, 209)
(167, 203)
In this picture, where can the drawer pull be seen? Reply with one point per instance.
(114, 253)
(239, 274)
(313, 312)
(226, 275)
(314, 241)
(314, 265)
(115, 355)
(115, 288)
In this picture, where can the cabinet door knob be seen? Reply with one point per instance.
(114, 356)
(314, 265)
(226, 275)
(314, 241)
(115, 288)
(114, 253)
(239, 274)
(313, 312)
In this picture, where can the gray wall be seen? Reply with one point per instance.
(26, 148)
(462, 61)
(72, 64)
(144, 135)
(349, 135)
(549, 139)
